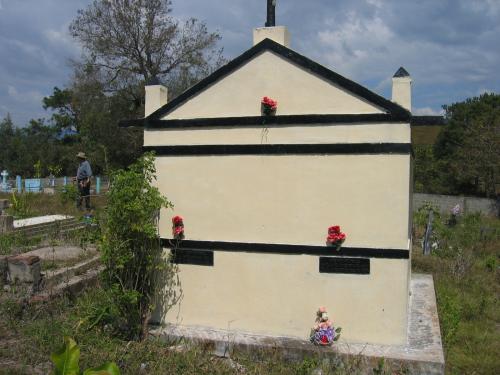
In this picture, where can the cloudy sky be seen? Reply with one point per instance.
(450, 47)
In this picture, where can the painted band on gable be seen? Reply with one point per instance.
(283, 120)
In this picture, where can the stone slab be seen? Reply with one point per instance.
(56, 253)
(39, 220)
(4, 203)
(6, 223)
(3, 269)
(423, 353)
(24, 269)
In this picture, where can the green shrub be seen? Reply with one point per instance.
(135, 269)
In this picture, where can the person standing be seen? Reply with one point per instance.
(83, 175)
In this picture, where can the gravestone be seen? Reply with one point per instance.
(4, 185)
(24, 269)
(6, 221)
(32, 185)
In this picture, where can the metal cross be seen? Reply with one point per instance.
(271, 13)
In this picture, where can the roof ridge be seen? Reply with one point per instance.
(295, 57)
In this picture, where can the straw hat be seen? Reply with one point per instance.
(81, 155)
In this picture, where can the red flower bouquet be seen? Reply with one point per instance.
(268, 106)
(178, 227)
(335, 237)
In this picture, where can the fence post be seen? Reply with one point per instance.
(98, 185)
(19, 184)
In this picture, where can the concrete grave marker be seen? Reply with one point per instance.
(24, 269)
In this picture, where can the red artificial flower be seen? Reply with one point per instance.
(335, 236)
(270, 103)
(178, 230)
(177, 220)
(334, 229)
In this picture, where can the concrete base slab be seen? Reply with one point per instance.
(39, 220)
(423, 353)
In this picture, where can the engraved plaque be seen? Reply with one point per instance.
(360, 266)
(196, 257)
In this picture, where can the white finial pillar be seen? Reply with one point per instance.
(401, 88)
(156, 96)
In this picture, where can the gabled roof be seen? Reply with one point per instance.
(294, 57)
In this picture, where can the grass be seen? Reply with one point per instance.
(33, 332)
(465, 265)
(39, 204)
(32, 205)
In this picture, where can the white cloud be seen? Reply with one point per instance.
(427, 111)
(29, 96)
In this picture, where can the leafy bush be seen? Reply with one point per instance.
(135, 269)
(21, 205)
(68, 194)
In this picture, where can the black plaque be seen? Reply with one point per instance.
(196, 257)
(359, 266)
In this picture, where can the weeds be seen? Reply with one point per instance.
(466, 277)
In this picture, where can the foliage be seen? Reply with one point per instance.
(21, 205)
(131, 41)
(465, 268)
(68, 193)
(465, 157)
(468, 146)
(135, 270)
(66, 362)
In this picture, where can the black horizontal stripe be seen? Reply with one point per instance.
(271, 248)
(283, 120)
(282, 149)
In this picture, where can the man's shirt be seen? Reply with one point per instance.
(84, 170)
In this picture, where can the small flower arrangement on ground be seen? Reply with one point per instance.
(335, 237)
(268, 106)
(178, 227)
(323, 332)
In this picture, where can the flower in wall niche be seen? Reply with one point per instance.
(335, 237)
(268, 106)
(178, 227)
(323, 332)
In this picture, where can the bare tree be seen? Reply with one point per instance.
(132, 41)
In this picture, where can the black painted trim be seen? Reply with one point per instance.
(270, 248)
(288, 54)
(282, 149)
(194, 257)
(353, 266)
(428, 121)
(288, 120)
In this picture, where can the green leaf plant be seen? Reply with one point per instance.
(137, 275)
(66, 361)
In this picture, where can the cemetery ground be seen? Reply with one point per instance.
(464, 262)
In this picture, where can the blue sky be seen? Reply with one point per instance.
(450, 47)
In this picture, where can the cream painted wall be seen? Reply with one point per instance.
(279, 295)
(296, 90)
(156, 97)
(281, 134)
(401, 91)
(289, 198)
